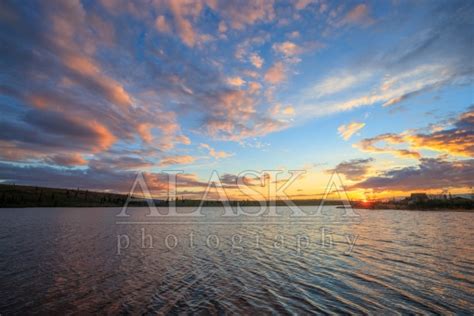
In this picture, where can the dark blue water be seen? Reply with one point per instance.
(82, 261)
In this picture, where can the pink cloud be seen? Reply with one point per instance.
(240, 13)
(287, 48)
(215, 153)
(276, 73)
(162, 25)
(74, 159)
(358, 15)
(88, 70)
(256, 60)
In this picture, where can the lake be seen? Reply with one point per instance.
(71, 260)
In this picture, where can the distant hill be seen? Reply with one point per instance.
(31, 196)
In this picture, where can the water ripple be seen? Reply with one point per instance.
(65, 261)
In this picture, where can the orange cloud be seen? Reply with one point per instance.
(82, 65)
(456, 141)
(368, 145)
(104, 137)
(177, 160)
(346, 131)
(289, 110)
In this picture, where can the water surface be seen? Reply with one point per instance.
(66, 260)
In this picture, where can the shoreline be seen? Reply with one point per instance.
(460, 210)
(463, 210)
(18, 196)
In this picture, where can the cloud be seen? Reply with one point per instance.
(346, 131)
(289, 110)
(232, 115)
(162, 25)
(240, 13)
(455, 141)
(214, 153)
(183, 139)
(256, 60)
(231, 181)
(90, 133)
(433, 57)
(301, 4)
(222, 27)
(236, 81)
(182, 12)
(354, 170)
(287, 48)
(75, 99)
(119, 79)
(176, 160)
(430, 173)
(369, 145)
(294, 34)
(36, 134)
(336, 83)
(236, 131)
(357, 15)
(254, 87)
(401, 86)
(119, 163)
(67, 160)
(144, 130)
(101, 178)
(119, 7)
(278, 110)
(276, 73)
(184, 15)
(71, 178)
(87, 73)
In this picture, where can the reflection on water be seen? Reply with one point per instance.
(66, 260)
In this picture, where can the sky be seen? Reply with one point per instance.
(380, 92)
